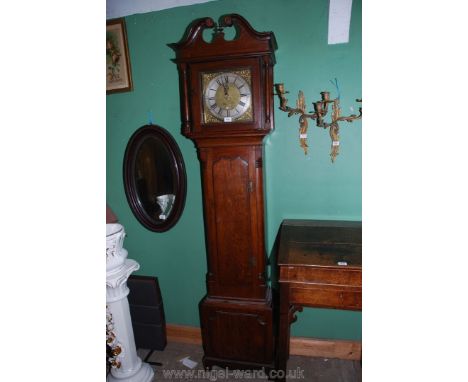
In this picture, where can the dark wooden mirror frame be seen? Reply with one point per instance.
(180, 177)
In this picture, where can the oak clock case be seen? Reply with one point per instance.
(226, 90)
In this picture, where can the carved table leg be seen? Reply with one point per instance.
(283, 332)
(286, 318)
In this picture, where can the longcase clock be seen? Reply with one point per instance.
(226, 89)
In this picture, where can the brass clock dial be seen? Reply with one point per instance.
(227, 96)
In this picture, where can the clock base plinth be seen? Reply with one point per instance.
(237, 334)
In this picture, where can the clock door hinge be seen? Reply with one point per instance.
(250, 186)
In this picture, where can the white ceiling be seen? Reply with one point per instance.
(121, 8)
(338, 22)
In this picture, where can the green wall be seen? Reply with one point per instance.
(297, 186)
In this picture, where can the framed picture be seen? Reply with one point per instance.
(118, 71)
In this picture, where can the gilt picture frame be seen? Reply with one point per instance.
(118, 70)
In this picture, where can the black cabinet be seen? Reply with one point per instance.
(147, 312)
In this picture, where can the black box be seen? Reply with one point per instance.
(147, 311)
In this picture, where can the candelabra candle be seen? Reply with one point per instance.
(325, 96)
(283, 101)
(318, 107)
(279, 88)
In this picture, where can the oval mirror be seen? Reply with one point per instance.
(154, 178)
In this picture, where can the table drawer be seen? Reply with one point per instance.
(345, 298)
(320, 275)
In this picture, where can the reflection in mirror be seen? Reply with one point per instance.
(154, 177)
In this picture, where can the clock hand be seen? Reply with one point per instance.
(226, 85)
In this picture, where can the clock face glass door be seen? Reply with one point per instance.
(227, 96)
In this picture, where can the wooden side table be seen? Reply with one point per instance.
(319, 265)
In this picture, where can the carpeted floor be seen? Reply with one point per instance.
(300, 368)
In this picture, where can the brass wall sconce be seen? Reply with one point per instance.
(320, 111)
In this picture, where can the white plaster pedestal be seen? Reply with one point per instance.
(127, 366)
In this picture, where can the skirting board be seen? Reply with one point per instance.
(311, 347)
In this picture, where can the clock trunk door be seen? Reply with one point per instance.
(236, 262)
